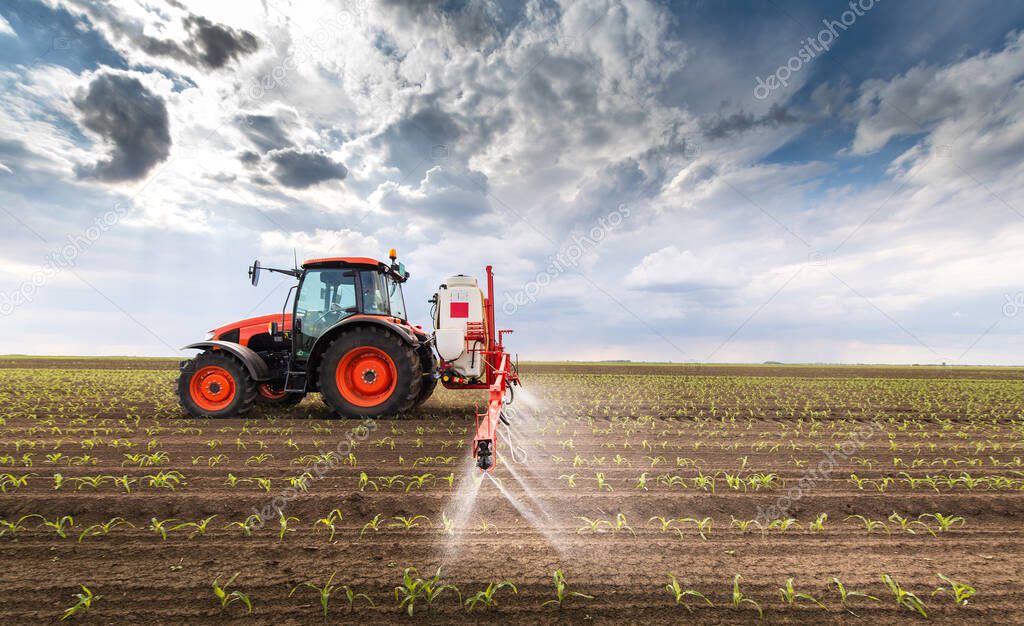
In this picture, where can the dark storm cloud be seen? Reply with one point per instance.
(264, 131)
(298, 170)
(418, 137)
(208, 45)
(217, 44)
(131, 119)
(248, 157)
(722, 127)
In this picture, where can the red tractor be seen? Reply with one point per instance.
(348, 338)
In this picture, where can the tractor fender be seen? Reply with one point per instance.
(331, 333)
(256, 366)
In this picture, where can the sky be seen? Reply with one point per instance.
(702, 181)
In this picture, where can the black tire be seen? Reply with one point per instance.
(244, 386)
(429, 366)
(289, 399)
(427, 387)
(408, 374)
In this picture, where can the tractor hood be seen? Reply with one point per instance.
(243, 330)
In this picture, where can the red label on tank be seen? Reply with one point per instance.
(459, 309)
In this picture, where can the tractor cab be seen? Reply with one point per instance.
(333, 289)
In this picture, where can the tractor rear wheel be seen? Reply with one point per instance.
(429, 366)
(426, 389)
(215, 384)
(370, 372)
(270, 395)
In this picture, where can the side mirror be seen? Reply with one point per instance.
(254, 273)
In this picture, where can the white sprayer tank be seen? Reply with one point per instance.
(460, 301)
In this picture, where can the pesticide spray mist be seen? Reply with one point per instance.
(514, 479)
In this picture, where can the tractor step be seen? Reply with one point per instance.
(295, 382)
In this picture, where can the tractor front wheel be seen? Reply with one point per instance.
(215, 384)
(370, 372)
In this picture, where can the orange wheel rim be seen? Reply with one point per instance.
(212, 388)
(270, 393)
(366, 376)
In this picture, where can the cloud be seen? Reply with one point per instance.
(131, 119)
(298, 169)
(319, 243)
(5, 28)
(266, 132)
(206, 45)
(217, 44)
(679, 270)
(927, 96)
(450, 193)
(721, 127)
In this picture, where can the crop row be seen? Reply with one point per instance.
(418, 593)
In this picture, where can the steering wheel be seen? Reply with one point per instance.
(334, 308)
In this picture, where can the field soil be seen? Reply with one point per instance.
(597, 446)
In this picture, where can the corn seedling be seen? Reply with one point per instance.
(227, 598)
(330, 521)
(251, 523)
(870, 525)
(562, 592)
(621, 524)
(61, 525)
(13, 528)
(104, 528)
(486, 596)
(818, 525)
(414, 588)
(681, 594)
(198, 528)
(328, 590)
(666, 523)
(904, 598)
(165, 480)
(282, 524)
(738, 599)
(447, 524)
(945, 522)
(373, 524)
(160, 527)
(593, 525)
(960, 592)
(418, 481)
(703, 526)
(408, 523)
(85, 600)
(790, 595)
(845, 595)
(906, 524)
